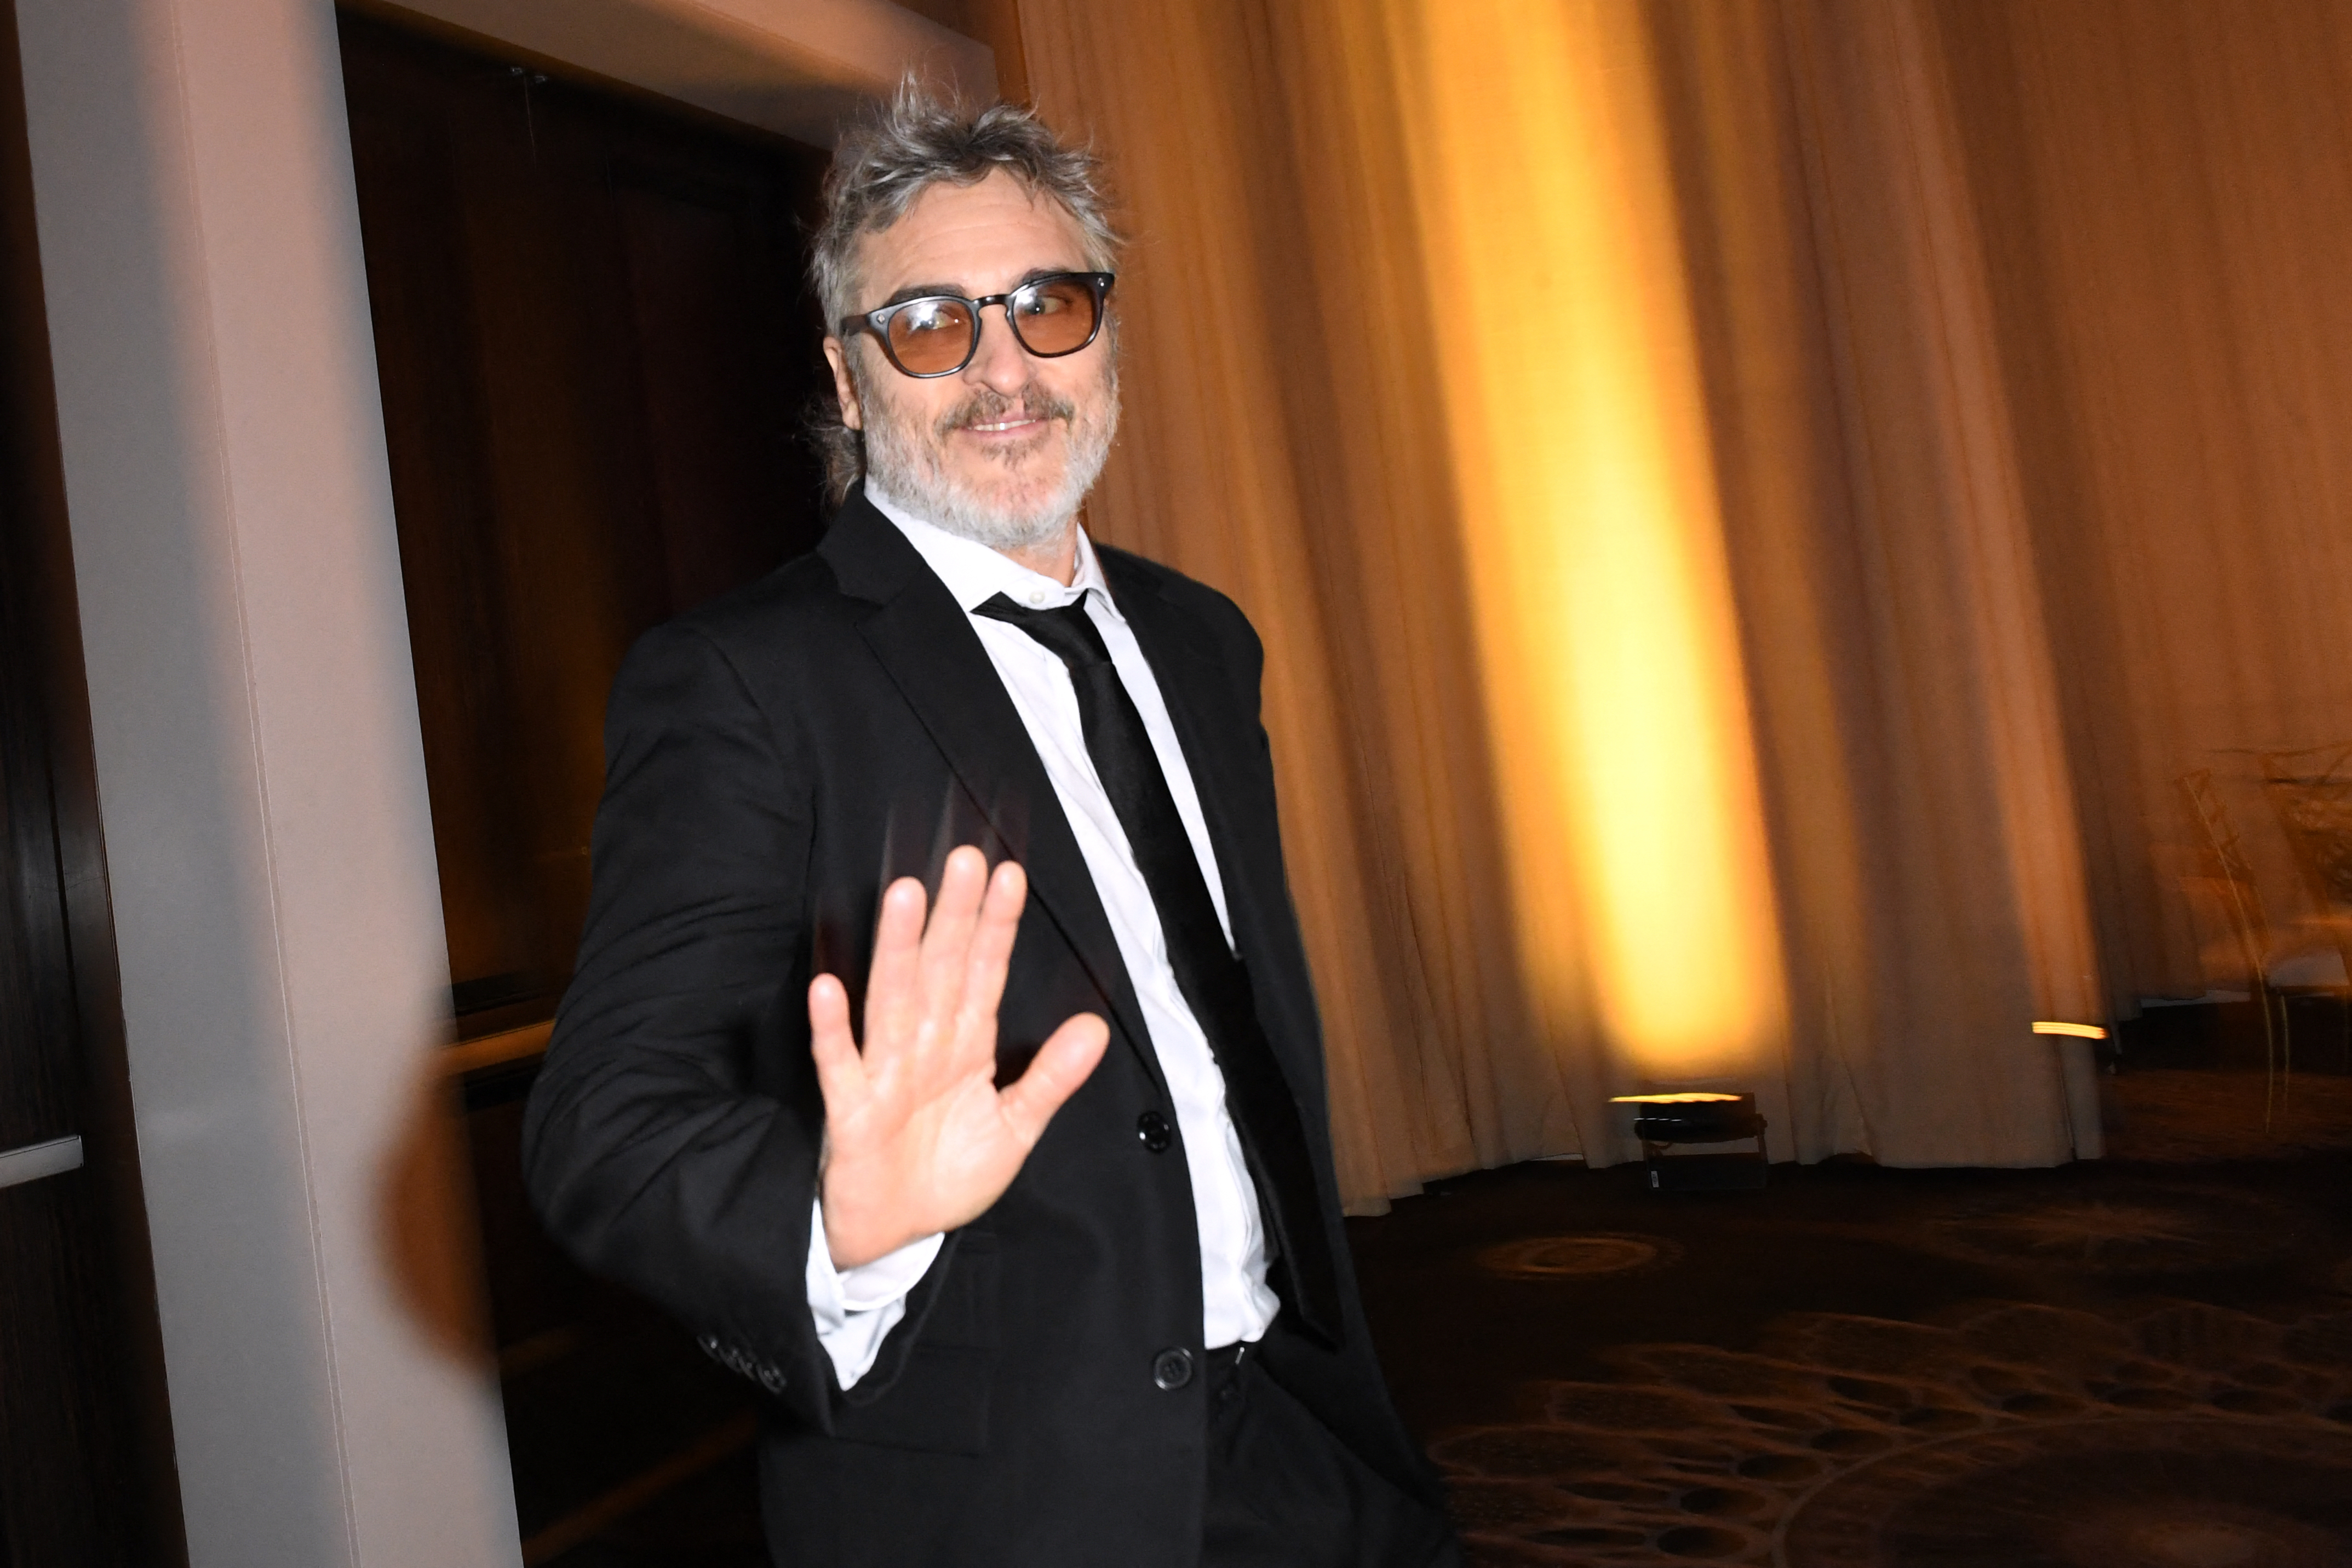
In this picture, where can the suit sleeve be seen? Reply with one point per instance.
(671, 1141)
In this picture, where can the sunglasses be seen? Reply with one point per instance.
(937, 334)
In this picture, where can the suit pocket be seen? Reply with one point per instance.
(939, 1400)
(937, 1403)
(963, 1308)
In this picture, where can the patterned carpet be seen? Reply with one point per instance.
(2013, 1434)
(2143, 1362)
(2175, 1116)
(2135, 1364)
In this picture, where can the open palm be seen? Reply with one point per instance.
(919, 1139)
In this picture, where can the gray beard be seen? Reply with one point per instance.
(905, 463)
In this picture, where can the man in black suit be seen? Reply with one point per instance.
(1046, 1267)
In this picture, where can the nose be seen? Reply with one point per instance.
(1000, 363)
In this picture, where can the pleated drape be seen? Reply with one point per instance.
(1264, 456)
(1924, 807)
(2023, 472)
(2166, 196)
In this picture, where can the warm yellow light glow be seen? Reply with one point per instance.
(2079, 1031)
(1691, 1099)
(1580, 435)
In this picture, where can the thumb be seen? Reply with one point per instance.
(1061, 1064)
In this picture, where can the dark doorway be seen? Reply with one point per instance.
(86, 1473)
(595, 349)
(593, 352)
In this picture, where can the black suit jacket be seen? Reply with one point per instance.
(773, 760)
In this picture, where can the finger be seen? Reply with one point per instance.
(1062, 1063)
(989, 959)
(947, 939)
(893, 990)
(840, 1071)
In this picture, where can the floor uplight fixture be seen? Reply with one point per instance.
(1667, 1120)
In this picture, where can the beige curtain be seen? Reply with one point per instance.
(1923, 802)
(1277, 447)
(1223, 471)
(2024, 478)
(2166, 191)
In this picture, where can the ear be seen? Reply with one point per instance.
(836, 354)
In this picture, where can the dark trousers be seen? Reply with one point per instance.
(1284, 1493)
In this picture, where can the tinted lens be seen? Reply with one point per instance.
(1055, 317)
(929, 337)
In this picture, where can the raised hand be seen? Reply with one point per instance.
(917, 1137)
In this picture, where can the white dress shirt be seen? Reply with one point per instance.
(855, 1309)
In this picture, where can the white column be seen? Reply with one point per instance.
(262, 789)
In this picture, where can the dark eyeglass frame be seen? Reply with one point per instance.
(877, 321)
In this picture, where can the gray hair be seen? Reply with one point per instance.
(892, 155)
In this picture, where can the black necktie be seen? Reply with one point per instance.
(1211, 979)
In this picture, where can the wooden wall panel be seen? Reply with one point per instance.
(595, 354)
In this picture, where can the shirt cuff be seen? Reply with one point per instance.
(855, 1309)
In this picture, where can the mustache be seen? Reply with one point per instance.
(987, 405)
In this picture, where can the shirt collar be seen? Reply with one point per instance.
(975, 574)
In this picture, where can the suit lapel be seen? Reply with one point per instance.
(925, 644)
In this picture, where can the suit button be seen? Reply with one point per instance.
(771, 1378)
(1153, 1129)
(1172, 1368)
